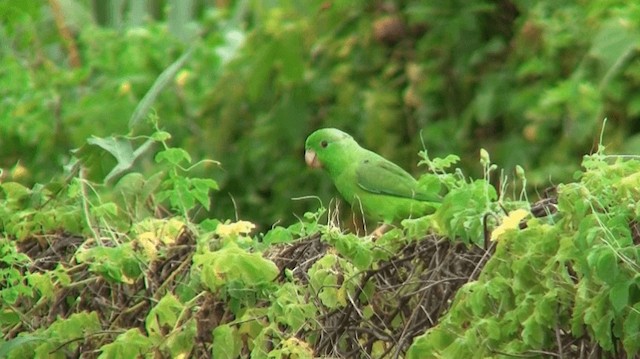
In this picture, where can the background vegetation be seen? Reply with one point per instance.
(529, 81)
(109, 111)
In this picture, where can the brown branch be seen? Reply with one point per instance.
(65, 34)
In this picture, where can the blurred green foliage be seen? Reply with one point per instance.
(530, 81)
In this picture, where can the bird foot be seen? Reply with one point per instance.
(378, 232)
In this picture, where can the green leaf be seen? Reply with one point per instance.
(226, 342)
(533, 333)
(69, 330)
(606, 265)
(278, 235)
(130, 344)
(209, 225)
(42, 283)
(151, 185)
(161, 82)
(18, 342)
(234, 264)
(492, 328)
(353, 248)
(201, 188)
(105, 209)
(174, 156)
(477, 299)
(619, 295)
(94, 156)
(290, 307)
(163, 317)
(180, 195)
(130, 184)
(438, 164)
(323, 278)
(161, 136)
(329, 293)
(181, 342)
(14, 191)
(119, 264)
(631, 332)
(430, 183)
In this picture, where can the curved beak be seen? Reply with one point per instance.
(311, 158)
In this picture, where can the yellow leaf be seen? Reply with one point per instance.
(512, 221)
(341, 296)
(235, 228)
(127, 280)
(147, 241)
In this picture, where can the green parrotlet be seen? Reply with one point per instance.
(368, 181)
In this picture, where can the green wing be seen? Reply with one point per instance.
(378, 175)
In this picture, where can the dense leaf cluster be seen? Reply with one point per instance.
(529, 81)
(86, 272)
(125, 254)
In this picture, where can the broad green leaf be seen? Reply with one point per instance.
(181, 342)
(278, 235)
(619, 295)
(17, 343)
(492, 327)
(329, 293)
(226, 342)
(42, 283)
(631, 330)
(291, 308)
(179, 195)
(14, 191)
(253, 323)
(477, 299)
(234, 264)
(163, 317)
(151, 185)
(109, 157)
(323, 278)
(119, 264)
(353, 248)
(131, 184)
(460, 348)
(68, 330)
(130, 344)
(174, 156)
(201, 188)
(533, 333)
(606, 265)
(430, 183)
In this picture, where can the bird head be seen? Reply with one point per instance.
(325, 144)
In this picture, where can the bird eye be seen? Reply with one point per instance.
(324, 144)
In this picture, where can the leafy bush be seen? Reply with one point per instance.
(127, 252)
(79, 275)
(559, 283)
(530, 82)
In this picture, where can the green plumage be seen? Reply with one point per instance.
(379, 187)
